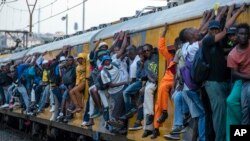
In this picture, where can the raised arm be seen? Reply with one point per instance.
(123, 47)
(162, 45)
(120, 35)
(229, 23)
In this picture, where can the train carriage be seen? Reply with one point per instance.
(144, 29)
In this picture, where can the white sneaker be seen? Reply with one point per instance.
(84, 123)
(52, 108)
(4, 106)
(52, 118)
(17, 104)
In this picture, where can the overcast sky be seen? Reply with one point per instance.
(15, 15)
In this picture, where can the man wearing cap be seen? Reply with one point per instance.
(111, 77)
(216, 84)
(76, 92)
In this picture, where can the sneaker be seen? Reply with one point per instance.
(117, 124)
(178, 130)
(187, 119)
(163, 117)
(52, 108)
(84, 123)
(172, 137)
(137, 126)
(146, 133)
(96, 114)
(4, 106)
(150, 119)
(129, 114)
(60, 117)
(155, 134)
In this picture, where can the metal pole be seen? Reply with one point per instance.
(83, 14)
(39, 10)
(66, 24)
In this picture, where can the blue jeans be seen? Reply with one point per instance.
(86, 112)
(180, 108)
(22, 90)
(45, 95)
(193, 100)
(131, 90)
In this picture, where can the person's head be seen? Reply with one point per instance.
(242, 33)
(231, 36)
(70, 60)
(45, 64)
(131, 52)
(62, 59)
(103, 46)
(106, 61)
(214, 27)
(191, 34)
(147, 50)
(177, 43)
(80, 58)
(116, 49)
(101, 53)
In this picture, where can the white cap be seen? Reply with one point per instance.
(45, 62)
(102, 44)
(62, 58)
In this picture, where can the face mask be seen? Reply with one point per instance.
(108, 67)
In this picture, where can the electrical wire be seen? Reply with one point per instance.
(68, 9)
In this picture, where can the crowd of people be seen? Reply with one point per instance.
(212, 60)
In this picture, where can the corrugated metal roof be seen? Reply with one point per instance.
(180, 13)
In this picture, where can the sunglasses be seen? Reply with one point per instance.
(148, 50)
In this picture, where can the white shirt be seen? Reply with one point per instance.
(189, 50)
(123, 67)
(133, 67)
(115, 78)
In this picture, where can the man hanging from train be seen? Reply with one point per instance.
(151, 66)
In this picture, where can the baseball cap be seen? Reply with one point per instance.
(214, 24)
(102, 44)
(231, 30)
(106, 57)
(62, 58)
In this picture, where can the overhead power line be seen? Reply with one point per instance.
(68, 9)
(18, 9)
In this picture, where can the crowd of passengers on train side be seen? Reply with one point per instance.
(124, 82)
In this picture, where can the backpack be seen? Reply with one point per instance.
(69, 77)
(200, 67)
(186, 75)
(99, 83)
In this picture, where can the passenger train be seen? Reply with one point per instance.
(143, 29)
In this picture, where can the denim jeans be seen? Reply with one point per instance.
(2, 96)
(193, 100)
(22, 90)
(44, 97)
(86, 112)
(131, 90)
(245, 103)
(180, 108)
(217, 93)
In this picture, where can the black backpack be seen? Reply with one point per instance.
(99, 83)
(200, 68)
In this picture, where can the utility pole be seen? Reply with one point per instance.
(39, 14)
(31, 8)
(83, 14)
(66, 18)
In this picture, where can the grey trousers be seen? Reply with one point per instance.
(245, 103)
(217, 93)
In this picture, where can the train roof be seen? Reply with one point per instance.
(192, 10)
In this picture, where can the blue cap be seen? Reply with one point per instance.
(106, 57)
(231, 30)
(214, 24)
